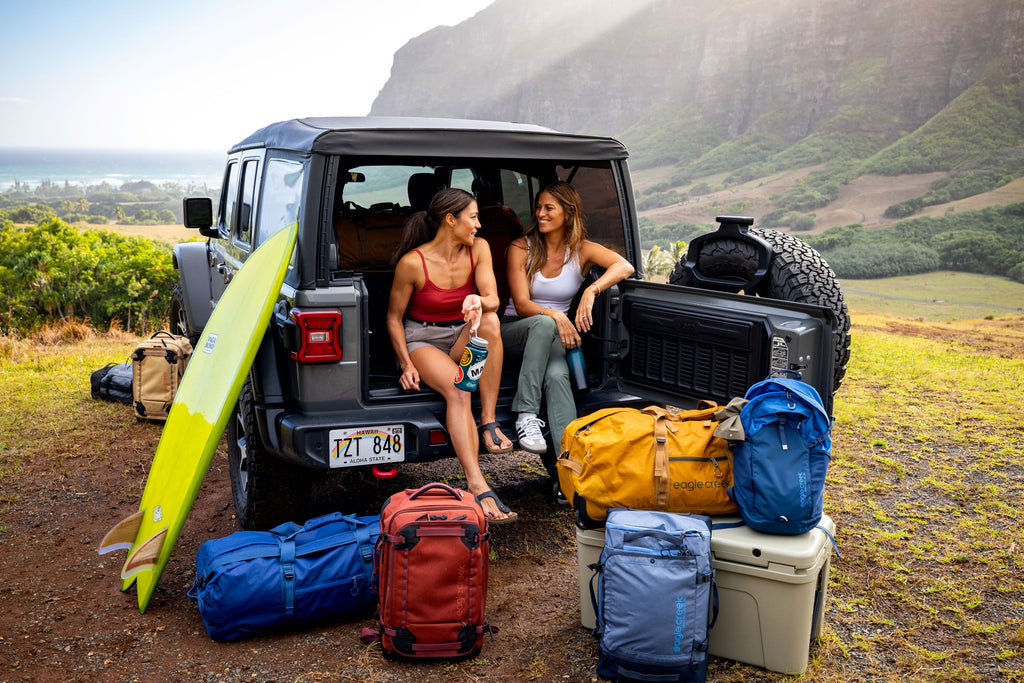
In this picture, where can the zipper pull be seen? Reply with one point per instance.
(782, 435)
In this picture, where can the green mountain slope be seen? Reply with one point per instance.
(722, 93)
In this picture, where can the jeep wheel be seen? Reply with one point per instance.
(797, 273)
(266, 491)
(178, 319)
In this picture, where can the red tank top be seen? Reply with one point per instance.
(434, 304)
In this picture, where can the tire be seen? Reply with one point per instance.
(266, 491)
(797, 273)
(178, 319)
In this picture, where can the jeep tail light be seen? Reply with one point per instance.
(319, 336)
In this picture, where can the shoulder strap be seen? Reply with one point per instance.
(426, 276)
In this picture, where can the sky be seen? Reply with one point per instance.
(195, 75)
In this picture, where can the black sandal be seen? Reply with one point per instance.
(502, 508)
(492, 427)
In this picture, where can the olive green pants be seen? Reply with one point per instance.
(543, 375)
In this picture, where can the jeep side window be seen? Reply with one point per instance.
(247, 213)
(462, 178)
(280, 201)
(596, 187)
(517, 190)
(228, 200)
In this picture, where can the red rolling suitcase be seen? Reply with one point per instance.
(430, 564)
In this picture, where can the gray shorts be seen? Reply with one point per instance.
(419, 334)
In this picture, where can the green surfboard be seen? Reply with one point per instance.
(199, 414)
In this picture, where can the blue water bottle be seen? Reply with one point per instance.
(577, 368)
(471, 365)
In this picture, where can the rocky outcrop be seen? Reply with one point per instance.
(788, 67)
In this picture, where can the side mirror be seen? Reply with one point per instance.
(198, 212)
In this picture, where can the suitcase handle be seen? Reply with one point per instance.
(444, 487)
(678, 541)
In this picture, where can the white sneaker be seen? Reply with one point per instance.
(531, 438)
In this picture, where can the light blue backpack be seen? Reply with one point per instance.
(656, 597)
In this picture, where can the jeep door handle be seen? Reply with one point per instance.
(226, 272)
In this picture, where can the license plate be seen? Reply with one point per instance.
(367, 445)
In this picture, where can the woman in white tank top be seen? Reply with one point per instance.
(545, 270)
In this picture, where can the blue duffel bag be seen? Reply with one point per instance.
(254, 582)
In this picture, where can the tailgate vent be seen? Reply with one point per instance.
(685, 350)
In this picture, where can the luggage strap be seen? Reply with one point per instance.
(662, 425)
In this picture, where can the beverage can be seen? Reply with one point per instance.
(471, 365)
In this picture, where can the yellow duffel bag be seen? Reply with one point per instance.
(650, 459)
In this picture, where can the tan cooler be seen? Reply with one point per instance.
(589, 544)
(772, 592)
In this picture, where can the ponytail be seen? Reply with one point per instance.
(422, 226)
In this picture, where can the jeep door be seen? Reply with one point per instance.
(236, 220)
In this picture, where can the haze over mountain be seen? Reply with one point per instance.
(741, 87)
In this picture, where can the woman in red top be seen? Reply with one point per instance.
(444, 289)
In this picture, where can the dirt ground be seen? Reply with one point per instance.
(65, 619)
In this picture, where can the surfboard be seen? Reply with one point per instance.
(200, 411)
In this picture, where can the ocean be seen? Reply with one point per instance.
(85, 167)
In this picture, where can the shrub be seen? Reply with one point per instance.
(872, 261)
(52, 272)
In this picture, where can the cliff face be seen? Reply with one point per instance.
(787, 67)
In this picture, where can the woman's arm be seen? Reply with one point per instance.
(616, 269)
(402, 288)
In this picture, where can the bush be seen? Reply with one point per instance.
(659, 199)
(32, 214)
(865, 262)
(53, 272)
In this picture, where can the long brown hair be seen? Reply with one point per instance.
(575, 231)
(421, 227)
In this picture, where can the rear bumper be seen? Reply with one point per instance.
(303, 439)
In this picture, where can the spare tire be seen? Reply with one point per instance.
(797, 273)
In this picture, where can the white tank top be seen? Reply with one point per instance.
(555, 292)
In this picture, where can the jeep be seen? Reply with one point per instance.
(743, 302)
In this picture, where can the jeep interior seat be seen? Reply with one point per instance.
(499, 225)
(422, 187)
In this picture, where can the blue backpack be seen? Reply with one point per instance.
(656, 597)
(779, 469)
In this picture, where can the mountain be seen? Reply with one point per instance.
(744, 88)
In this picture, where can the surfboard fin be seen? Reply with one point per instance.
(145, 555)
(122, 536)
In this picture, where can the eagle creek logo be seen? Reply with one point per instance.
(802, 482)
(677, 641)
(695, 485)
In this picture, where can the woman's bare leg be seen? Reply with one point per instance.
(437, 370)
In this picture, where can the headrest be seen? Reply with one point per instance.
(422, 188)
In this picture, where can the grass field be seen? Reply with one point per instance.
(943, 295)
